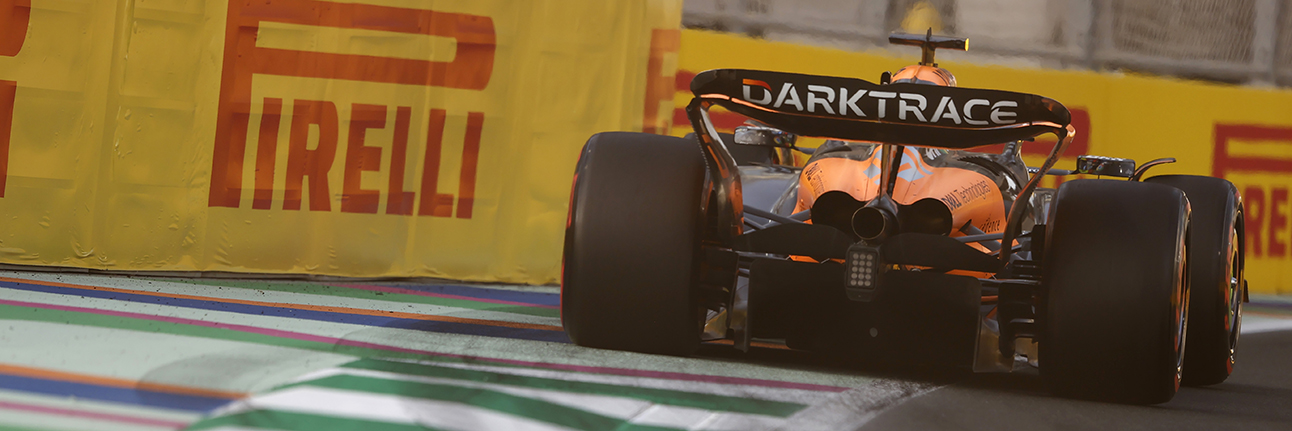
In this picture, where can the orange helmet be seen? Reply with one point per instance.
(922, 74)
(927, 72)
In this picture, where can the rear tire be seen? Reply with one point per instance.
(632, 245)
(1215, 276)
(1116, 294)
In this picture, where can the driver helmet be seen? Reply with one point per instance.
(922, 74)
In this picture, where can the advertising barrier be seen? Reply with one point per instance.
(1239, 133)
(375, 138)
(393, 138)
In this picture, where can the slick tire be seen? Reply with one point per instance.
(1116, 298)
(1215, 276)
(631, 259)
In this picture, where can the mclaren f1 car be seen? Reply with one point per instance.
(897, 240)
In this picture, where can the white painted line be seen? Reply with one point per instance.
(96, 406)
(387, 408)
(858, 406)
(629, 409)
(1256, 325)
(743, 391)
(155, 357)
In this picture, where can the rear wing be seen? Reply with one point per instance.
(856, 110)
(904, 113)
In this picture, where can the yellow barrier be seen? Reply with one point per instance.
(1242, 134)
(306, 136)
(380, 138)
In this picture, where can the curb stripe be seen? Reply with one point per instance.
(526, 407)
(291, 421)
(424, 322)
(21, 283)
(329, 344)
(1279, 314)
(1282, 305)
(402, 291)
(6, 405)
(46, 374)
(658, 396)
(142, 397)
(417, 297)
(524, 297)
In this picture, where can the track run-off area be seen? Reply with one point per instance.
(107, 352)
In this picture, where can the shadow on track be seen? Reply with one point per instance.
(1256, 397)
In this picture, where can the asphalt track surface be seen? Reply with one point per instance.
(95, 352)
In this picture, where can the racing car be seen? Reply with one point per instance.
(897, 240)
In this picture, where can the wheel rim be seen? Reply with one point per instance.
(1181, 302)
(1235, 305)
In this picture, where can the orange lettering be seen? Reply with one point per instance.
(1254, 218)
(303, 162)
(359, 158)
(1225, 163)
(15, 15)
(659, 87)
(1278, 222)
(8, 89)
(266, 152)
(434, 203)
(470, 157)
(399, 201)
(470, 68)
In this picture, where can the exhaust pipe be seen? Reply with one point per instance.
(926, 215)
(870, 223)
(877, 220)
(882, 218)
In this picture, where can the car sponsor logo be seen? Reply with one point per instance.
(879, 105)
(966, 194)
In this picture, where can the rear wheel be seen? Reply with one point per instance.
(632, 247)
(1116, 295)
(1215, 276)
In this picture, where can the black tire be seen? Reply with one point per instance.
(630, 264)
(1215, 276)
(1116, 298)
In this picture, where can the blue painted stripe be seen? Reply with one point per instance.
(324, 316)
(194, 403)
(536, 298)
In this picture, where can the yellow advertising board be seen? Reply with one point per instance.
(374, 138)
(1240, 133)
(409, 138)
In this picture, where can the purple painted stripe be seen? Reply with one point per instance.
(388, 289)
(91, 415)
(668, 375)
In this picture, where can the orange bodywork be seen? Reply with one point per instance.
(973, 198)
